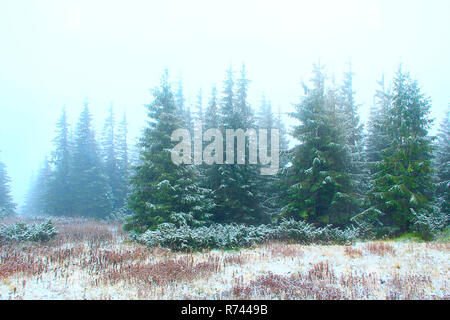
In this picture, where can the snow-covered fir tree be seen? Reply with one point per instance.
(353, 130)
(59, 199)
(123, 163)
(402, 180)
(115, 158)
(183, 108)
(162, 191)
(211, 175)
(40, 195)
(269, 186)
(7, 206)
(443, 165)
(319, 187)
(377, 139)
(92, 194)
(237, 196)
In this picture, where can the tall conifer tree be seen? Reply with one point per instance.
(237, 196)
(7, 206)
(443, 165)
(60, 193)
(320, 188)
(92, 195)
(161, 191)
(402, 182)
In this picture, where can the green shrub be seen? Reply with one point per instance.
(233, 236)
(22, 232)
(428, 224)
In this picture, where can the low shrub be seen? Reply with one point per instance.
(428, 224)
(23, 232)
(232, 236)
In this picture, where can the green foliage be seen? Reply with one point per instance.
(91, 195)
(7, 206)
(80, 180)
(58, 197)
(443, 166)
(269, 186)
(377, 139)
(161, 190)
(233, 236)
(39, 197)
(428, 223)
(319, 184)
(21, 232)
(235, 186)
(115, 158)
(443, 236)
(353, 133)
(324, 180)
(402, 179)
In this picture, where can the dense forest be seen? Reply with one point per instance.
(389, 175)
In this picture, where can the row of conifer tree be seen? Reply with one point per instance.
(339, 173)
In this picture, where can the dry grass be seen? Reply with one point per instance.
(91, 260)
(353, 252)
(281, 250)
(443, 246)
(380, 248)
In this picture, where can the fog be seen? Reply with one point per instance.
(62, 53)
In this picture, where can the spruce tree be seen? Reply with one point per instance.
(183, 108)
(237, 196)
(39, 197)
(402, 183)
(200, 115)
(353, 131)
(7, 206)
(377, 139)
(162, 191)
(211, 173)
(111, 162)
(123, 164)
(320, 189)
(268, 186)
(443, 166)
(60, 193)
(284, 143)
(91, 193)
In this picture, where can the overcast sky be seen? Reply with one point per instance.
(56, 53)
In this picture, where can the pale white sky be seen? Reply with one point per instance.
(61, 52)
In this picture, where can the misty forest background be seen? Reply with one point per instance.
(389, 175)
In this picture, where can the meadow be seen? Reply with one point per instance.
(91, 259)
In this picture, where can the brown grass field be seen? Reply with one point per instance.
(93, 260)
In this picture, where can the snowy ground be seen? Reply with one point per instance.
(92, 261)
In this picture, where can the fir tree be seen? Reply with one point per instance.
(183, 109)
(319, 186)
(402, 183)
(7, 206)
(377, 139)
(92, 195)
(200, 115)
(237, 196)
(122, 163)
(211, 173)
(161, 190)
(39, 197)
(353, 131)
(284, 143)
(443, 165)
(59, 198)
(268, 189)
(111, 162)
